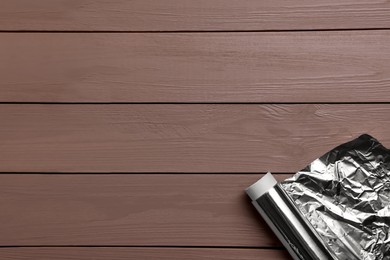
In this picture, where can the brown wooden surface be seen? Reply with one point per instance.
(135, 209)
(140, 253)
(183, 54)
(341, 66)
(179, 138)
(173, 15)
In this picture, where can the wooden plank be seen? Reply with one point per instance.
(135, 209)
(99, 253)
(179, 138)
(173, 15)
(348, 66)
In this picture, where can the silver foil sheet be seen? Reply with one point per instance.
(338, 207)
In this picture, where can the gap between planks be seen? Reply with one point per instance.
(196, 32)
(121, 253)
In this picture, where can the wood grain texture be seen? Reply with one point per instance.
(347, 66)
(179, 138)
(173, 15)
(140, 253)
(132, 210)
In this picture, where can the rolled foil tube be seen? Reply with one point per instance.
(286, 222)
(337, 207)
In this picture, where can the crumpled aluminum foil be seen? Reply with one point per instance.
(345, 195)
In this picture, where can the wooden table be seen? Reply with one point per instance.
(129, 129)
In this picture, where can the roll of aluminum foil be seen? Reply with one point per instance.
(338, 207)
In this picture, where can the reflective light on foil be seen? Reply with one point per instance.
(338, 207)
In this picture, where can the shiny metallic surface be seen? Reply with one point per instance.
(345, 198)
(289, 225)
